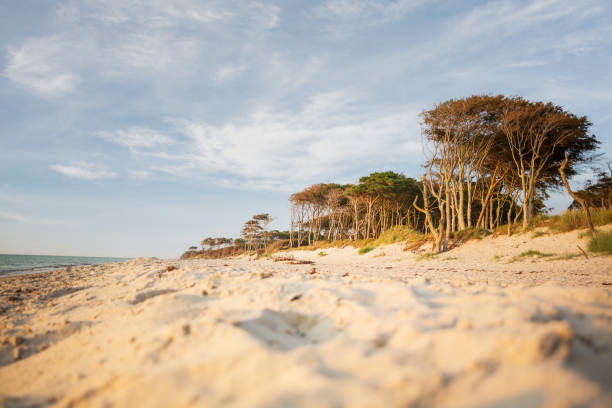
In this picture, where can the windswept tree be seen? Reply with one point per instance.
(210, 243)
(539, 136)
(263, 220)
(252, 234)
(496, 155)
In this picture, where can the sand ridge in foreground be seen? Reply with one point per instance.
(359, 331)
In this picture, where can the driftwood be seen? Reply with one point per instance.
(583, 252)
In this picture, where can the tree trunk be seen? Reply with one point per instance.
(580, 201)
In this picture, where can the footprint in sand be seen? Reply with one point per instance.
(288, 330)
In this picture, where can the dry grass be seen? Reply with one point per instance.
(575, 219)
(426, 255)
(566, 256)
(395, 234)
(537, 234)
(529, 254)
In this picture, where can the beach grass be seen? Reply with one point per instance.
(426, 255)
(602, 243)
(575, 219)
(530, 254)
(366, 249)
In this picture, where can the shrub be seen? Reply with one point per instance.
(601, 243)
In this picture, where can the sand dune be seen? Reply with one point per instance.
(363, 331)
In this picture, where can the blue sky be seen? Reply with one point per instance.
(136, 128)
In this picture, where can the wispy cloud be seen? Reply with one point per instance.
(140, 174)
(38, 65)
(378, 10)
(345, 17)
(228, 72)
(327, 136)
(136, 137)
(83, 171)
(108, 40)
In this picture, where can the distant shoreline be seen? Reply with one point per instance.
(15, 265)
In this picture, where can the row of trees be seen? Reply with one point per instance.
(363, 210)
(489, 160)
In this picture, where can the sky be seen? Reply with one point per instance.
(137, 128)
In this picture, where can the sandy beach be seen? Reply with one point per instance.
(472, 327)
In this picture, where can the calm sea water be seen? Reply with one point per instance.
(19, 264)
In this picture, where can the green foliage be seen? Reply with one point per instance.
(366, 249)
(321, 253)
(602, 243)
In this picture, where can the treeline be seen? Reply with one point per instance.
(354, 211)
(489, 161)
(255, 236)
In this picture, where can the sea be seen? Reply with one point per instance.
(22, 264)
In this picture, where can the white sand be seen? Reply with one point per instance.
(363, 331)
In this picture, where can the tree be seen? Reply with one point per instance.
(374, 187)
(597, 193)
(251, 232)
(263, 220)
(539, 135)
(496, 151)
(582, 203)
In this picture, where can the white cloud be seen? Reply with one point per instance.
(140, 174)
(155, 13)
(228, 72)
(39, 65)
(136, 137)
(83, 171)
(378, 10)
(345, 17)
(151, 40)
(327, 138)
(154, 52)
(496, 31)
